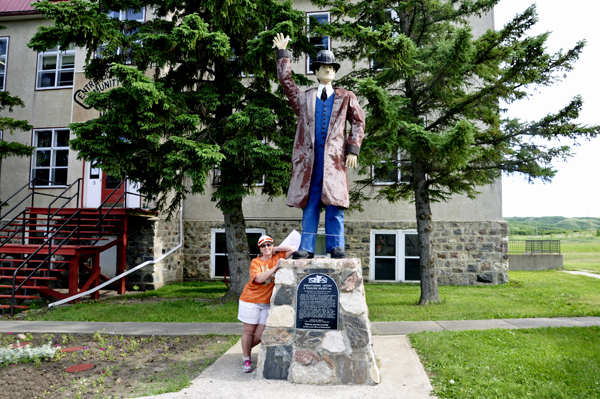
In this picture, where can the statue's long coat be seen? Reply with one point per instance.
(337, 145)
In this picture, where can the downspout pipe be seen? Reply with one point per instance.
(125, 273)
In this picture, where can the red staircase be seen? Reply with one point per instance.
(40, 246)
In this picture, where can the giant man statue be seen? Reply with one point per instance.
(323, 149)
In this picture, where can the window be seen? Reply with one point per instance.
(388, 172)
(124, 15)
(320, 42)
(395, 255)
(219, 262)
(391, 16)
(3, 58)
(129, 15)
(50, 161)
(55, 68)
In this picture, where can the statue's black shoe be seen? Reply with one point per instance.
(302, 254)
(338, 253)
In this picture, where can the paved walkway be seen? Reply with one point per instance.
(402, 374)
(594, 275)
(379, 328)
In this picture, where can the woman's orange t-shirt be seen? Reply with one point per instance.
(260, 292)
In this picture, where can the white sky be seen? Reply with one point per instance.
(575, 190)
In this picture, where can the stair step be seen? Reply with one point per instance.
(35, 278)
(16, 307)
(20, 296)
(25, 287)
(30, 269)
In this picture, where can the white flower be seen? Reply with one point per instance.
(451, 381)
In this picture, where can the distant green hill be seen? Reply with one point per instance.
(550, 225)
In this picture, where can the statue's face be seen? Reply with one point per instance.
(325, 74)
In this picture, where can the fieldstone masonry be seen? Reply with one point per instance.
(148, 239)
(322, 357)
(468, 253)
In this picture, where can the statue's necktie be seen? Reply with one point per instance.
(324, 95)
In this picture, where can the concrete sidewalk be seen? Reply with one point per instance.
(402, 376)
(379, 328)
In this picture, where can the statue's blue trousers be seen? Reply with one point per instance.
(334, 216)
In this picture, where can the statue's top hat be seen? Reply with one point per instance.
(324, 57)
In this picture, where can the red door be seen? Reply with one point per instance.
(109, 183)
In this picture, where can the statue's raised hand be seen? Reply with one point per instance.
(280, 41)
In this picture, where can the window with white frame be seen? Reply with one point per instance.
(50, 161)
(389, 172)
(3, 59)
(219, 262)
(56, 68)
(320, 42)
(124, 15)
(395, 255)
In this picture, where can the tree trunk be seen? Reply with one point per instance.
(429, 283)
(238, 253)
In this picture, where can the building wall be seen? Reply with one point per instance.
(463, 258)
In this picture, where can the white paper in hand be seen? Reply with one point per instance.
(292, 240)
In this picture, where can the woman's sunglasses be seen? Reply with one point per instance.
(266, 245)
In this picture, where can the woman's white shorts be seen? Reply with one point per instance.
(253, 313)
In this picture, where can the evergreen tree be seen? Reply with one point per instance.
(8, 125)
(196, 93)
(434, 92)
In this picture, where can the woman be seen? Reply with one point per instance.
(256, 297)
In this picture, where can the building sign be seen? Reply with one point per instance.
(81, 94)
(317, 300)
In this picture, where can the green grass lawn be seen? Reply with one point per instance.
(529, 294)
(528, 363)
(581, 251)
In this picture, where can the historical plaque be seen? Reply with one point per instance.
(317, 302)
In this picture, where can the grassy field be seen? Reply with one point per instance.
(529, 294)
(581, 251)
(529, 363)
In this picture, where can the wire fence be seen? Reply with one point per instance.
(534, 247)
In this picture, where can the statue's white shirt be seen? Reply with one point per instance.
(328, 90)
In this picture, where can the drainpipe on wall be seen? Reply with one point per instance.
(122, 275)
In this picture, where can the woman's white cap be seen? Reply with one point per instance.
(264, 239)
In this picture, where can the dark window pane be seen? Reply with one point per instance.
(42, 176)
(60, 176)
(111, 182)
(321, 245)
(385, 245)
(47, 79)
(253, 244)
(62, 138)
(385, 269)
(44, 138)
(411, 245)
(220, 244)
(65, 78)
(385, 173)
(62, 158)
(42, 158)
(3, 43)
(1, 82)
(221, 265)
(412, 270)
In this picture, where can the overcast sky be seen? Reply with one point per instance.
(575, 190)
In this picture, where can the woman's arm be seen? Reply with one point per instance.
(262, 277)
(288, 249)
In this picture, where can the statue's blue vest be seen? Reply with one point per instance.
(322, 116)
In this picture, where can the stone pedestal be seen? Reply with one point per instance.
(321, 356)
